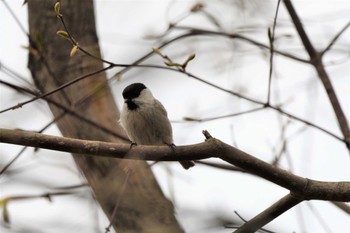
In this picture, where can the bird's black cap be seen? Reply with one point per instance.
(133, 90)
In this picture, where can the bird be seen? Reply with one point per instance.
(145, 119)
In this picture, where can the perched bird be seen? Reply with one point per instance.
(145, 119)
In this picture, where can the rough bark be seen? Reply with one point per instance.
(143, 207)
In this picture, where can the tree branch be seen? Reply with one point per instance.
(342, 206)
(281, 206)
(336, 37)
(69, 110)
(304, 188)
(316, 61)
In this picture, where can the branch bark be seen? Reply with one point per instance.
(302, 188)
(281, 206)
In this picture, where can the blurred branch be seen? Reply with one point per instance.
(271, 36)
(4, 201)
(236, 227)
(304, 188)
(316, 61)
(14, 16)
(342, 206)
(67, 109)
(281, 206)
(318, 216)
(203, 32)
(224, 116)
(3, 170)
(265, 106)
(335, 39)
(20, 105)
(11, 73)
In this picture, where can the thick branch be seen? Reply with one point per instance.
(305, 189)
(281, 206)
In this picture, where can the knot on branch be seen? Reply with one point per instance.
(206, 135)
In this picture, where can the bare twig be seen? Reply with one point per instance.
(240, 217)
(14, 16)
(19, 105)
(319, 218)
(202, 32)
(343, 206)
(114, 213)
(11, 73)
(271, 39)
(4, 169)
(224, 116)
(336, 37)
(70, 111)
(283, 112)
(4, 201)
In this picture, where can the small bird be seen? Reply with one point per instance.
(145, 119)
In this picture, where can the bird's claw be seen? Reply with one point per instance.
(172, 146)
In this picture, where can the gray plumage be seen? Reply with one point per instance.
(145, 119)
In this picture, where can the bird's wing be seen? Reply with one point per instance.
(161, 108)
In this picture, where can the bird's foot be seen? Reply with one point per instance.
(172, 146)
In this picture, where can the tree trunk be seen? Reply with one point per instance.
(143, 207)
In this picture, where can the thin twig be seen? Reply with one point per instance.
(117, 204)
(4, 169)
(19, 105)
(74, 42)
(336, 37)
(224, 116)
(14, 16)
(271, 39)
(319, 218)
(283, 112)
(70, 111)
(11, 73)
(202, 32)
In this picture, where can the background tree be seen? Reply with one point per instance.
(144, 207)
(258, 98)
